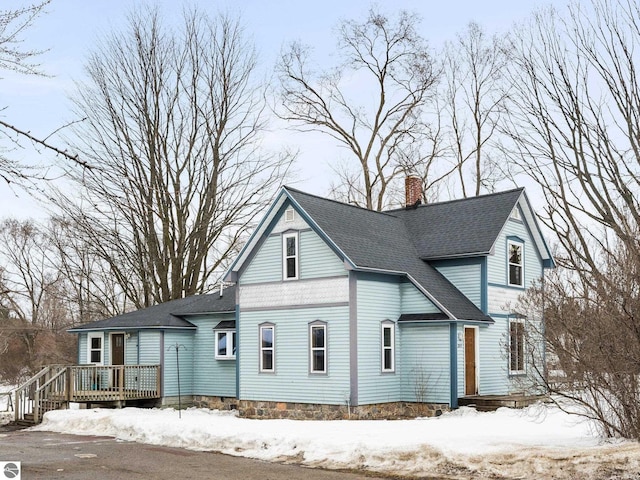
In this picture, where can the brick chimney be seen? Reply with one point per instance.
(413, 191)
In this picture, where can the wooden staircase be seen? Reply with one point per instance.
(489, 403)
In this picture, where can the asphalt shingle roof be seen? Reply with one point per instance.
(459, 227)
(394, 241)
(169, 314)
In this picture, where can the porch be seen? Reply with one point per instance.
(55, 386)
(489, 403)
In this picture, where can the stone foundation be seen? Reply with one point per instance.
(309, 411)
(215, 403)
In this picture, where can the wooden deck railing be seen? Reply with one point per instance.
(57, 385)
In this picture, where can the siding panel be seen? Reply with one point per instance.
(377, 300)
(211, 376)
(292, 381)
(317, 259)
(266, 265)
(425, 363)
(414, 301)
(466, 276)
(170, 372)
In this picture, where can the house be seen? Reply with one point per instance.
(338, 311)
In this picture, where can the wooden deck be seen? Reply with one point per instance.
(54, 387)
(488, 403)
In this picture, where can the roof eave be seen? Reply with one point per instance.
(130, 327)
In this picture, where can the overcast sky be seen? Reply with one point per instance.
(71, 29)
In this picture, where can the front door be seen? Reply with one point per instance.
(470, 386)
(117, 356)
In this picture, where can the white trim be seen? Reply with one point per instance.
(521, 245)
(392, 327)
(261, 349)
(324, 349)
(295, 256)
(522, 371)
(91, 335)
(230, 333)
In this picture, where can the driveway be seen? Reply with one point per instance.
(46, 455)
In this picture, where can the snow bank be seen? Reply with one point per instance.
(537, 442)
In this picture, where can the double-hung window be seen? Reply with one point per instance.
(267, 348)
(225, 344)
(95, 347)
(515, 261)
(318, 347)
(388, 347)
(290, 263)
(516, 346)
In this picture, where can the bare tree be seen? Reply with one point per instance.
(14, 24)
(474, 95)
(574, 125)
(174, 124)
(386, 56)
(33, 312)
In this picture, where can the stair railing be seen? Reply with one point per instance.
(25, 394)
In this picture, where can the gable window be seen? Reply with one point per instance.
(289, 215)
(95, 348)
(267, 348)
(290, 256)
(388, 347)
(515, 261)
(225, 344)
(318, 347)
(516, 346)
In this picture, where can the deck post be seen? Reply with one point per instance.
(121, 382)
(36, 407)
(69, 381)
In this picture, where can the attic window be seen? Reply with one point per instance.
(515, 213)
(515, 262)
(290, 256)
(289, 215)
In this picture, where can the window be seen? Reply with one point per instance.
(388, 347)
(516, 276)
(95, 343)
(225, 344)
(515, 213)
(516, 346)
(290, 256)
(318, 347)
(267, 351)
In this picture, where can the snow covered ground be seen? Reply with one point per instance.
(5, 416)
(537, 442)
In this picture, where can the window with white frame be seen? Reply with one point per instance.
(388, 347)
(225, 344)
(516, 346)
(290, 256)
(318, 347)
(289, 215)
(267, 348)
(95, 348)
(515, 259)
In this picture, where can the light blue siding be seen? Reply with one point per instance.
(292, 381)
(149, 343)
(425, 364)
(131, 349)
(497, 263)
(184, 340)
(494, 379)
(378, 299)
(82, 348)
(465, 275)
(414, 301)
(317, 259)
(211, 376)
(266, 265)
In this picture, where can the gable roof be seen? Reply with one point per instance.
(168, 315)
(381, 241)
(457, 228)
